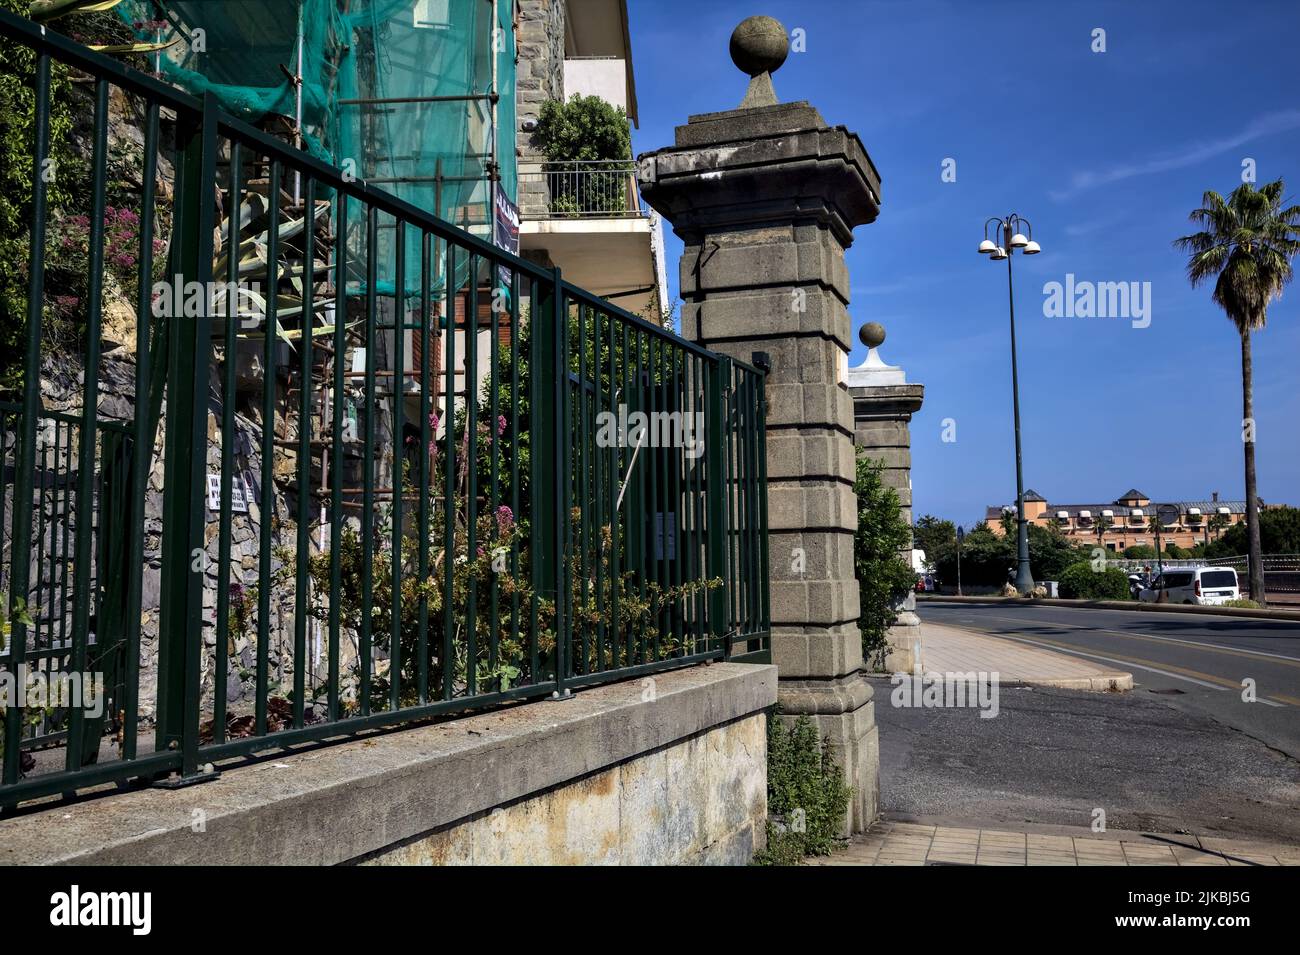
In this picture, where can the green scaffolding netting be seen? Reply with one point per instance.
(414, 96)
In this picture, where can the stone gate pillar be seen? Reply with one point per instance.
(765, 198)
(883, 405)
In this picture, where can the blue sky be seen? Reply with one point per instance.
(1105, 153)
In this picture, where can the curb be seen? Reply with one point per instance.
(1099, 681)
(1130, 605)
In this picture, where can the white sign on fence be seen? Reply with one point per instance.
(240, 493)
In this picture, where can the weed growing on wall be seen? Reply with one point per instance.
(806, 794)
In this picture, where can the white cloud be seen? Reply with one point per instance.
(1269, 124)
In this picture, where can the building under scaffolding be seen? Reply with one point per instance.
(416, 95)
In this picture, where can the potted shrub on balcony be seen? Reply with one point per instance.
(588, 149)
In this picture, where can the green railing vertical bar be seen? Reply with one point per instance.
(740, 422)
(227, 448)
(471, 471)
(628, 456)
(561, 479)
(398, 385)
(679, 511)
(185, 484)
(579, 619)
(541, 476)
(719, 372)
(751, 496)
(494, 468)
(447, 660)
(40, 607)
(638, 514)
(424, 478)
(700, 625)
(336, 451)
(661, 499)
(516, 356)
(613, 468)
(763, 364)
(85, 507)
(66, 549)
(266, 510)
(301, 595)
(368, 464)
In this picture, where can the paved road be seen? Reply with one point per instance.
(1194, 663)
(1197, 760)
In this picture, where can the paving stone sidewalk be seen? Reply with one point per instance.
(906, 843)
(951, 650)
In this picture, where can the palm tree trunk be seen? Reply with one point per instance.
(1255, 565)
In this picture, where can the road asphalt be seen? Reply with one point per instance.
(1181, 752)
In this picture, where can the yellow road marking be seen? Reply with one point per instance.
(1158, 665)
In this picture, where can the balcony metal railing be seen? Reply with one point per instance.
(599, 188)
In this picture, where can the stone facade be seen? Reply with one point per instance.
(701, 800)
(611, 776)
(54, 528)
(765, 200)
(539, 40)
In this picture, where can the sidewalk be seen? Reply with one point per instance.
(905, 843)
(950, 650)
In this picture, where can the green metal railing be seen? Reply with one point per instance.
(385, 472)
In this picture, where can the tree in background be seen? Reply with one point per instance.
(1279, 533)
(1216, 525)
(1101, 524)
(933, 535)
(1246, 242)
(884, 577)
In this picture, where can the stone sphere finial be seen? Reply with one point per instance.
(759, 45)
(872, 334)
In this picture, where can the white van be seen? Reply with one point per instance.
(1193, 585)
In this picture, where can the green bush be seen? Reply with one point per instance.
(806, 793)
(884, 577)
(17, 159)
(1279, 533)
(1243, 602)
(584, 128)
(1140, 552)
(1081, 581)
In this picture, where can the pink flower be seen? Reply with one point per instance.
(505, 519)
(501, 425)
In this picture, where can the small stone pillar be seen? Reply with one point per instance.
(765, 198)
(883, 405)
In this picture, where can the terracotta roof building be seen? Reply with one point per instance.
(1126, 521)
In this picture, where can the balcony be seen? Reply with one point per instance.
(599, 188)
(589, 219)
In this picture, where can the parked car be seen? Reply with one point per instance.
(1194, 585)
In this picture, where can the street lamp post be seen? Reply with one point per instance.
(1012, 239)
(961, 536)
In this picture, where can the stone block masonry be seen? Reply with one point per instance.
(765, 201)
(615, 775)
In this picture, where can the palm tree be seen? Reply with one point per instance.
(1102, 525)
(1247, 241)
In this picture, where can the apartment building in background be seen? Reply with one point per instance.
(1127, 520)
(588, 218)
